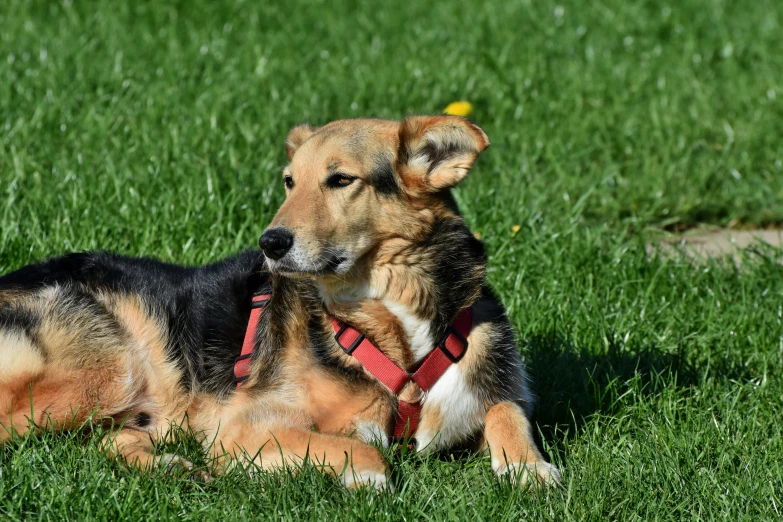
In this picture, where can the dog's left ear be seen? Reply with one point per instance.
(297, 136)
(436, 152)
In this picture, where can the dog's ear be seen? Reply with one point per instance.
(297, 136)
(436, 152)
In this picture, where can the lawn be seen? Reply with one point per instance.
(157, 128)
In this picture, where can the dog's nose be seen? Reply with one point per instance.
(276, 242)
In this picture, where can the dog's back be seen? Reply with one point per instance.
(128, 338)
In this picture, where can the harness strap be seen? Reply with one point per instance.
(242, 364)
(407, 419)
(449, 350)
(383, 368)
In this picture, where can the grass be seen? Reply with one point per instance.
(157, 128)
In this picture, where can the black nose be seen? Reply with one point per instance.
(276, 242)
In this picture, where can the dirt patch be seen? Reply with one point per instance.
(701, 243)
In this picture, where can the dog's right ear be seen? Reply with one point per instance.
(296, 137)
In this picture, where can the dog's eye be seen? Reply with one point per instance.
(288, 181)
(339, 180)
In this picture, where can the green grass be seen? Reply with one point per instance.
(158, 129)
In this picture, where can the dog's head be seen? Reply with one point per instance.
(353, 185)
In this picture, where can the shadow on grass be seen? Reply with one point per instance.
(572, 384)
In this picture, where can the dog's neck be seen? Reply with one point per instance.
(406, 293)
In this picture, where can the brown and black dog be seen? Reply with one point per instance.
(370, 236)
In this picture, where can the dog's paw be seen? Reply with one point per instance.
(535, 473)
(176, 464)
(355, 479)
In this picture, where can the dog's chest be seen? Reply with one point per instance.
(418, 330)
(451, 410)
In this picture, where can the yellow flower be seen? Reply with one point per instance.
(459, 108)
(515, 230)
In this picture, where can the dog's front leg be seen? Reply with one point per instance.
(353, 462)
(374, 424)
(136, 447)
(509, 435)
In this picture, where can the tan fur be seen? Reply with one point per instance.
(105, 373)
(18, 359)
(71, 374)
(431, 419)
(136, 447)
(58, 401)
(480, 341)
(162, 393)
(421, 174)
(275, 431)
(109, 362)
(384, 237)
(352, 461)
(381, 326)
(509, 437)
(328, 407)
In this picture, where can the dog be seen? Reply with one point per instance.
(367, 318)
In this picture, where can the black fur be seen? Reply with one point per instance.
(18, 320)
(204, 310)
(458, 269)
(384, 179)
(323, 348)
(142, 420)
(499, 379)
(437, 154)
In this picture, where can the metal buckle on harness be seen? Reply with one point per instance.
(353, 346)
(460, 338)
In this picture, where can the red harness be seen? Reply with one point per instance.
(242, 364)
(449, 350)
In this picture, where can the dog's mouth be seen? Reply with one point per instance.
(331, 264)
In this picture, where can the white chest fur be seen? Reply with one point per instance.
(418, 329)
(450, 400)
